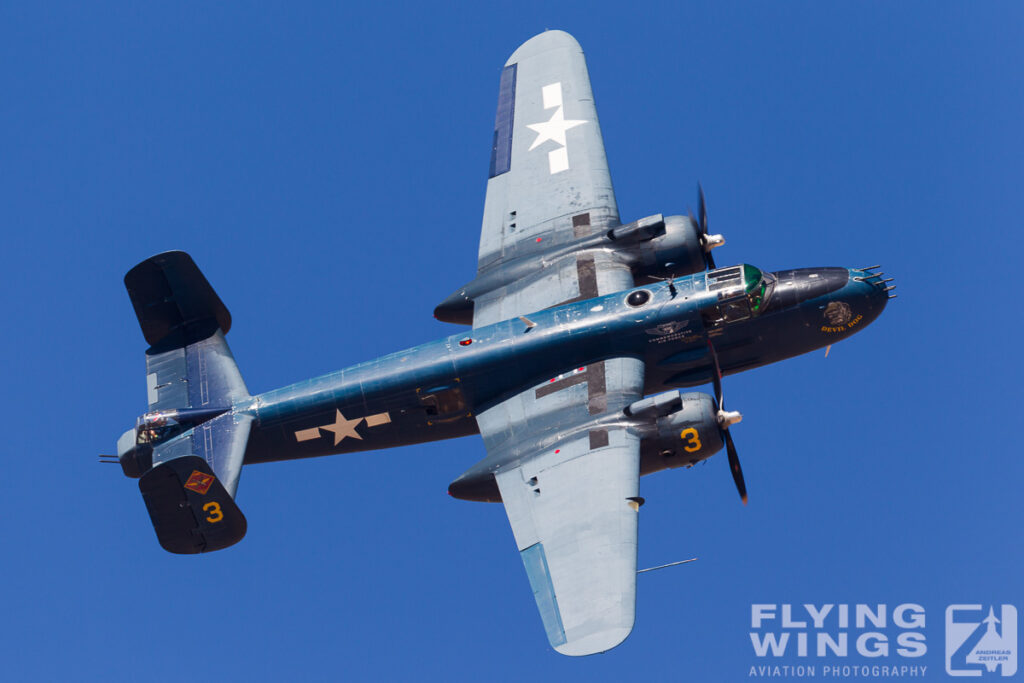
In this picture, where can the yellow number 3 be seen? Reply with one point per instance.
(215, 513)
(692, 439)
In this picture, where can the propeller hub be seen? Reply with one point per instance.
(727, 418)
(713, 241)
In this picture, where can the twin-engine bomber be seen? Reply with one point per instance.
(584, 331)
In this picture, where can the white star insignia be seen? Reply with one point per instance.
(343, 428)
(553, 129)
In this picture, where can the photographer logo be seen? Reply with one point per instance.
(981, 640)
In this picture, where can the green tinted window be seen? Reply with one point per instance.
(757, 287)
(751, 278)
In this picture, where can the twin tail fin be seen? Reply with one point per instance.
(188, 449)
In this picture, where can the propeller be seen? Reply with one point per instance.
(707, 242)
(726, 419)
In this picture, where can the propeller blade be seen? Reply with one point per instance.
(702, 212)
(716, 378)
(702, 227)
(726, 422)
(734, 465)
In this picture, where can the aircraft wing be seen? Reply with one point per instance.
(564, 463)
(549, 180)
(567, 469)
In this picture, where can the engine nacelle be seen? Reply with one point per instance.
(677, 252)
(683, 437)
(654, 248)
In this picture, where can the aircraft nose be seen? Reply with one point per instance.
(858, 302)
(871, 284)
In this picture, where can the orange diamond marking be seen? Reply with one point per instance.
(199, 482)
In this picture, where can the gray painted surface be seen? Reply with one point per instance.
(574, 502)
(529, 201)
(563, 484)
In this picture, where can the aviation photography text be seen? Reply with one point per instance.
(838, 640)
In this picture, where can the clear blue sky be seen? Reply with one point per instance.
(326, 167)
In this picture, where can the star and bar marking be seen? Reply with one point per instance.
(554, 129)
(342, 427)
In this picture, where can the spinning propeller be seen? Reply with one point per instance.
(727, 418)
(707, 242)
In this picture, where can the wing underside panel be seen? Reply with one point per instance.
(577, 535)
(564, 461)
(548, 162)
(574, 278)
(567, 466)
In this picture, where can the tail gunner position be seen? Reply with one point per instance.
(584, 331)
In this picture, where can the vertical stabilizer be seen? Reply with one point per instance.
(189, 447)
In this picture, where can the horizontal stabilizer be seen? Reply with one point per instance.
(191, 510)
(175, 304)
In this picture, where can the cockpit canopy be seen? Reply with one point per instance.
(156, 426)
(743, 291)
(164, 424)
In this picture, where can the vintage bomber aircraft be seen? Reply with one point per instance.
(576, 317)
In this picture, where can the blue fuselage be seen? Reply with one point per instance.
(433, 391)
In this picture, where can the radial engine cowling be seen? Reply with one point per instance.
(684, 436)
(678, 252)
